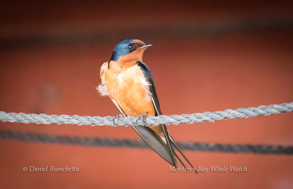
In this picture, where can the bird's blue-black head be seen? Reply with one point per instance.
(126, 47)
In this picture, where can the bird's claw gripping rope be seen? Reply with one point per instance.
(117, 117)
(142, 119)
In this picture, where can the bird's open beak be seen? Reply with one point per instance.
(145, 46)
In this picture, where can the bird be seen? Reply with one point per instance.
(127, 80)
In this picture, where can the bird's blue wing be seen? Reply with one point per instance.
(165, 150)
(147, 74)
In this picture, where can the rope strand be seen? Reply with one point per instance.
(119, 143)
(149, 120)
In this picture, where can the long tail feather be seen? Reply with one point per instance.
(176, 146)
(179, 160)
(156, 143)
(169, 144)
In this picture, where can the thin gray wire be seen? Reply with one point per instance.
(146, 121)
(122, 143)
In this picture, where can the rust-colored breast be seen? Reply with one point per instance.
(130, 90)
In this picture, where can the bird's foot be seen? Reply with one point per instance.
(142, 119)
(117, 117)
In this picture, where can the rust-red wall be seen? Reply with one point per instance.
(42, 70)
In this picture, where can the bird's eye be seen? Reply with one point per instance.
(130, 47)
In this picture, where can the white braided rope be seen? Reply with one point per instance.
(149, 120)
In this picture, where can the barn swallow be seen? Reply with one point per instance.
(129, 84)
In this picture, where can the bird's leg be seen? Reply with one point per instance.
(143, 119)
(117, 117)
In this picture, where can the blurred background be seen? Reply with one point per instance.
(206, 56)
